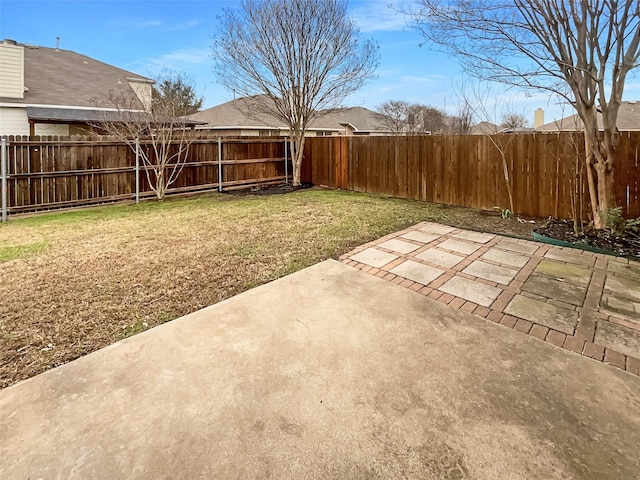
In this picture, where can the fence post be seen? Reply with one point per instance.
(137, 170)
(286, 160)
(3, 173)
(219, 165)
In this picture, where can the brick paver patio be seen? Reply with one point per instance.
(585, 302)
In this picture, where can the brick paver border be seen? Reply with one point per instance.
(582, 340)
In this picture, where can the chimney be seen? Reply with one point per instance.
(12, 71)
(538, 118)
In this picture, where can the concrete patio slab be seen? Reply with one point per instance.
(328, 373)
(441, 258)
(472, 291)
(574, 257)
(436, 228)
(623, 287)
(569, 273)
(621, 307)
(528, 248)
(460, 246)
(549, 315)
(475, 236)
(568, 284)
(556, 289)
(399, 246)
(631, 270)
(619, 338)
(506, 258)
(417, 272)
(490, 272)
(374, 257)
(421, 236)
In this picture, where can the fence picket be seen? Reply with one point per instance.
(546, 170)
(52, 172)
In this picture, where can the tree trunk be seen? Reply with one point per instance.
(296, 172)
(507, 181)
(591, 182)
(603, 191)
(297, 158)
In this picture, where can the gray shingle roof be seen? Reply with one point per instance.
(237, 113)
(363, 119)
(628, 120)
(66, 78)
(484, 128)
(242, 113)
(45, 114)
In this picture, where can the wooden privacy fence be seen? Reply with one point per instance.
(42, 173)
(546, 170)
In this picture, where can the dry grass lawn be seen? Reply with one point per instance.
(74, 282)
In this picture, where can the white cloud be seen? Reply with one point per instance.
(377, 16)
(156, 24)
(413, 79)
(178, 60)
(183, 26)
(150, 24)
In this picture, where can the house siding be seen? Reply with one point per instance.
(143, 91)
(12, 71)
(51, 129)
(250, 133)
(13, 121)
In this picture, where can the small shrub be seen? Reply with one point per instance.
(505, 213)
(618, 225)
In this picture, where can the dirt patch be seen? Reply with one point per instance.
(490, 221)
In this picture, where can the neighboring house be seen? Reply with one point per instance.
(242, 117)
(628, 120)
(48, 91)
(485, 128)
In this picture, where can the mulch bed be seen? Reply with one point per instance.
(266, 190)
(628, 246)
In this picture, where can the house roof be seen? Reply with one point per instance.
(65, 78)
(46, 114)
(484, 128)
(628, 120)
(244, 113)
(360, 118)
(86, 115)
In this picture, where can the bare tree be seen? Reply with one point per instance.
(485, 107)
(395, 114)
(299, 56)
(460, 123)
(582, 50)
(411, 118)
(432, 120)
(514, 120)
(157, 132)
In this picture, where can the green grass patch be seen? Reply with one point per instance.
(90, 277)
(13, 252)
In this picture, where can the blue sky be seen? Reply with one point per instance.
(147, 36)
